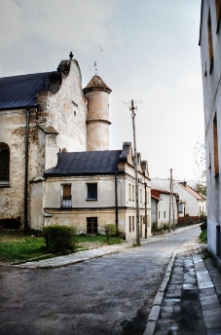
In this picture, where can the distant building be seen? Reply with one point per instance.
(210, 46)
(55, 162)
(163, 207)
(191, 202)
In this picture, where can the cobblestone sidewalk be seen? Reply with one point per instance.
(191, 301)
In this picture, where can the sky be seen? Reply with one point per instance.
(145, 50)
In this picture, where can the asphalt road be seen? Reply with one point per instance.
(111, 295)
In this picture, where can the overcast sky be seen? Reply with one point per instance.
(146, 50)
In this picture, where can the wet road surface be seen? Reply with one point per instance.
(111, 295)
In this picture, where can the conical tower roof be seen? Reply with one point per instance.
(96, 84)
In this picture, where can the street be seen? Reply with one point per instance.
(109, 295)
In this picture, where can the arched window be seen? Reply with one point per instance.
(4, 164)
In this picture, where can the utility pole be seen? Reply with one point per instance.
(171, 208)
(136, 174)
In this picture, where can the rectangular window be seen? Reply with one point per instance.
(210, 42)
(148, 197)
(215, 147)
(141, 193)
(164, 214)
(129, 224)
(92, 225)
(218, 6)
(129, 192)
(132, 192)
(133, 226)
(66, 198)
(180, 208)
(159, 218)
(92, 191)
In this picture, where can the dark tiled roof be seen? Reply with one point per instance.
(85, 163)
(96, 83)
(21, 91)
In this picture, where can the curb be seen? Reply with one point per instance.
(155, 310)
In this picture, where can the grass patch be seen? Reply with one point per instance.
(22, 249)
(98, 238)
(203, 236)
(18, 246)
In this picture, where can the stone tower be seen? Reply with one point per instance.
(97, 93)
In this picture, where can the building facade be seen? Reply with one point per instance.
(164, 207)
(46, 121)
(210, 47)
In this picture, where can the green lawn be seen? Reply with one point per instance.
(18, 246)
(21, 249)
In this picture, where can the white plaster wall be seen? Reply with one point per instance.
(105, 189)
(212, 105)
(12, 132)
(36, 206)
(211, 236)
(192, 205)
(66, 112)
(164, 205)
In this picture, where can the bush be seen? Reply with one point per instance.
(111, 230)
(154, 227)
(203, 236)
(60, 239)
(203, 226)
(166, 226)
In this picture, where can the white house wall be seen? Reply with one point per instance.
(212, 107)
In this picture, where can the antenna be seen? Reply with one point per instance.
(95, 65)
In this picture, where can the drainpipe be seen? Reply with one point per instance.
(116, 203)
(26, 173)
(145, 184)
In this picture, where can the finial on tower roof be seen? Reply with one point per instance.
(95, 65)
(71, 55)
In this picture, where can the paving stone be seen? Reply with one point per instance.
(212, 301)
(208, 297)
(213, 324)
(165, 309)
(216, 331)
(216, 311)
(209, 307)
(207, 291)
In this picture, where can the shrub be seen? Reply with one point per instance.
(166, 226)
(154, 227)
(203, 236)
(111, 230)
(60, 239)
(203, 226)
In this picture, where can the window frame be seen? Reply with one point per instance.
(218, 16)
(210, 42)
(93, 220)
(133, 224)
(215, 147)
(130, 224)
(4, 175)
(66, 200)
(89, 197)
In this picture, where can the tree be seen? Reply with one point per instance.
(200, 188)
(200, 162)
